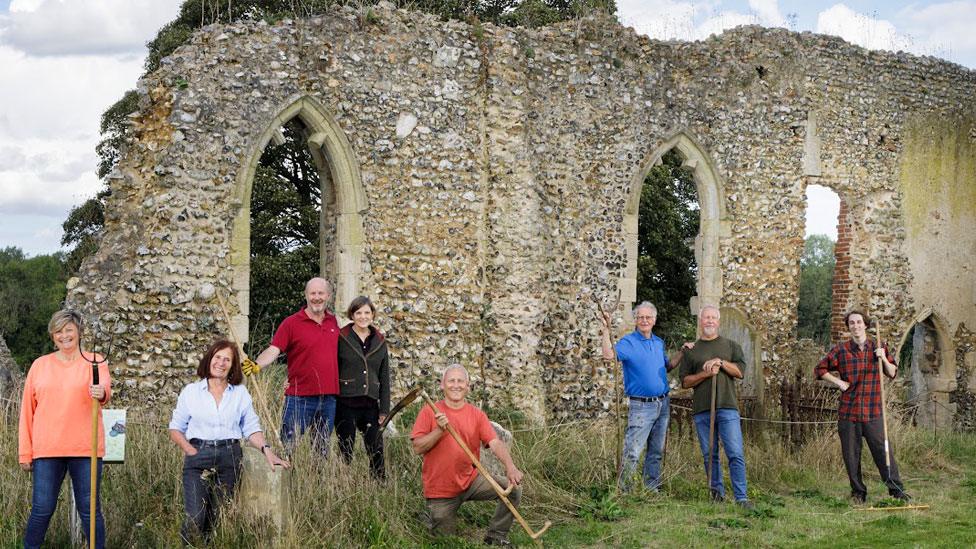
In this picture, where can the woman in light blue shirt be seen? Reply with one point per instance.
(211, 417)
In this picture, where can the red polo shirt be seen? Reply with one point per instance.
(312, 351)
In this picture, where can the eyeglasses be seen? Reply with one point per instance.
(645, 317)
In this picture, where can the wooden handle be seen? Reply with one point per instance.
(881, 384)
(94, 475)
(258, 392)
(502, 493)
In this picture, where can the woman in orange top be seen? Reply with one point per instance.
(55, 428)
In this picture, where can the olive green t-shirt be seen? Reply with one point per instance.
(694, 359)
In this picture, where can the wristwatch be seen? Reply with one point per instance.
(265, 448)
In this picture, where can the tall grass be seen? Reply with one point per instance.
(569, 478)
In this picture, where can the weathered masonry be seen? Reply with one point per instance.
(482, 182)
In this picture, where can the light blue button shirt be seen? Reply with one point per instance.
(198, 416)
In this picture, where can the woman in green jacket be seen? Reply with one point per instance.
(364, 384)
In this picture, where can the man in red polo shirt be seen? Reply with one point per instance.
(309, 339)
(855, 362)
(448, 475)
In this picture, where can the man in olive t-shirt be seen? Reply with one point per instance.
(715, 359)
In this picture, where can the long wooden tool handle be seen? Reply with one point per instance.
(604, 316)
(94, 475)
(884, 415)
(711, 432)
(93, 472)
(258, 392)
(502, 494)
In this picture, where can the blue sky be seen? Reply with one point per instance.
(77, 57)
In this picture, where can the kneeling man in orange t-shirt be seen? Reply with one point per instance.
(449, 477)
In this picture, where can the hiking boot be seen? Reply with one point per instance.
(903, 496)
(857, 499)
(718, 497)
(746, 504)
(497, 541)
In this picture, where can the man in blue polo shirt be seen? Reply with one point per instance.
(646, 369)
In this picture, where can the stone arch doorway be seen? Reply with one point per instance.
(713, 225)
(343, 204)
(928, 367)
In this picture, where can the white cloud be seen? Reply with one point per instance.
(660, 19)
(59, 97)
(73, 27)
(944, 29)
(863, 30)
(767, 13)
(671, 20)
(11, 158)
(54, 177)
(64, 62)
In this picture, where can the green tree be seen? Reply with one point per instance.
(667, 225)
(81, 230)
(286, 201)
(31, 290)
(816, 291)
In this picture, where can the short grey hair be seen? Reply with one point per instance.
(455, 367)
(712, 307)
(328, 285)
(644, 305)
(64, 317)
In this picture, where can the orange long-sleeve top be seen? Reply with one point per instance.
(55, 413)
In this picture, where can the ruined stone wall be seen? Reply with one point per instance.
(496, 171)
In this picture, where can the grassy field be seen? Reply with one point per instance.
(801, 496)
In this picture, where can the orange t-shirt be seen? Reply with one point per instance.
(55, 413)
(447, 470)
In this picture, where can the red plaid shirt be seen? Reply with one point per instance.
(861, 402)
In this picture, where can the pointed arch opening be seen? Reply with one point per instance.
(926, 365)
(341, 202)
(712, 223)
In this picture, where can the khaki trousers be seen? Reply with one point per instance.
(443, 511)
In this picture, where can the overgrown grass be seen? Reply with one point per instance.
(801, 496)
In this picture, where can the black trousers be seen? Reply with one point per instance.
(209, 478)
(851, 434)
(366, 420)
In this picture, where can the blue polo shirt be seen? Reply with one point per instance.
(645, 365)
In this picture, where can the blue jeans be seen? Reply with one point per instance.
(209, 479)
(48, 474)
(309, 412)
(729, 429)
(647, 429)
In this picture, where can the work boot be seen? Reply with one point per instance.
(746, 504)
